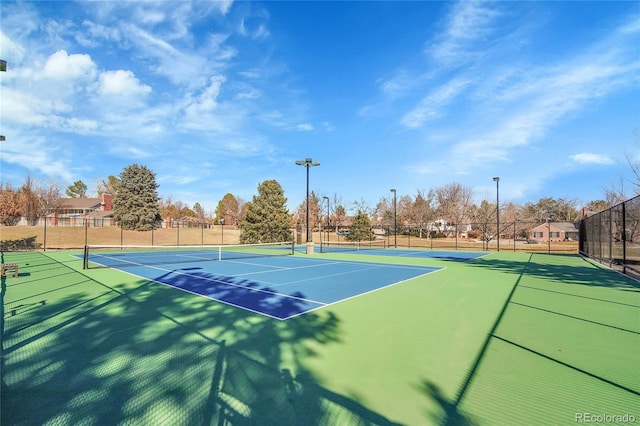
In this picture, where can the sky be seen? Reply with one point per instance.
(216, 97)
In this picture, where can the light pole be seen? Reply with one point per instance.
(497, 181)
(307, 163)
(395, 220)
(222, 227)
(328, 218)
(3, 67)
(550, 218)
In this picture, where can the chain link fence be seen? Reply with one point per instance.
(517, 236)
(54, 233)
(76, 232)
(612, 237)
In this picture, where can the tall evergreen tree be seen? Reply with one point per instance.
(135, 205)
(360, 229)
(267, 218)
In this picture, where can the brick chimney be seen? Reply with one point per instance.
(107, 204)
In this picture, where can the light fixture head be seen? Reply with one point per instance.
(307, 162)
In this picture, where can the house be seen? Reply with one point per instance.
(74, 207)
(98, 210)
(555, 231)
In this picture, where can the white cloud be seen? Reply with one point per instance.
(431, 105)
(468, 23)
(526, 104)
(36, 153)
(181, 66)
(121, 84)
(305, 127)
(92, 34)
(64, 67)
(327, 126)
(10, 49)
(29, 109)
(590, 158)
(254, 30)
(202, 111)
(79, 125)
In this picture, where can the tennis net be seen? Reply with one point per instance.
(341, 246)
(110, 256)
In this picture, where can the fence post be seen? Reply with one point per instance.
(485, 247)
(44, 241)
(600, 236)
(624, 239)
(456, 236)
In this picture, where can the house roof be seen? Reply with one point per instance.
(80, 203)
(562, 226)
(566, 226)
(99, 214)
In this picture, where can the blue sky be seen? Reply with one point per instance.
(216, 97)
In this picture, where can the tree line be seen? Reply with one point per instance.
(136, 205)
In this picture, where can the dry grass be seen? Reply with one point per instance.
(35, 237)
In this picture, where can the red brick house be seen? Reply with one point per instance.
(558, 231)
(97, 209)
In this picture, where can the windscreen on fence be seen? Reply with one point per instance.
(612, 236)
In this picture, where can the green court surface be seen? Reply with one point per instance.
(505, 339)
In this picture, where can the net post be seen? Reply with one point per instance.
(85, 257)
(293, 247)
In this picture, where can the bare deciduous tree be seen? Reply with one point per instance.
(454, 202)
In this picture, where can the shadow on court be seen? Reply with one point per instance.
(142, 353)
(240, 292)
(561, 269)
(562, 341)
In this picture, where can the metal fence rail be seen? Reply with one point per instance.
(612, 237)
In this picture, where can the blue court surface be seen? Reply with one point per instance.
(279, 287)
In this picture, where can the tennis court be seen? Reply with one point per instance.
(258, 278)
(501, 339)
